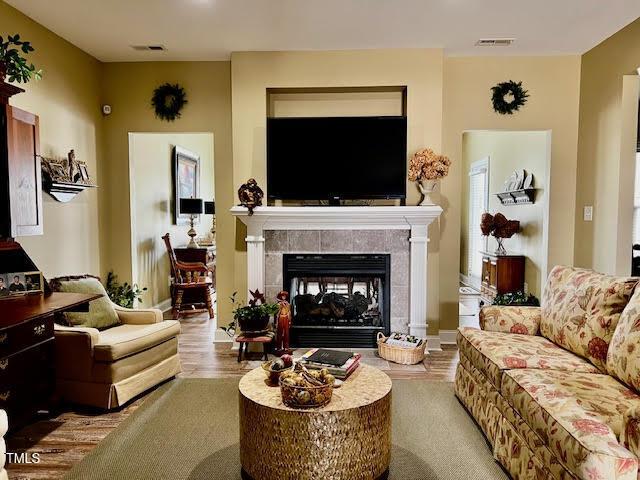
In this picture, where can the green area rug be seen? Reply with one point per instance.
(188, 430)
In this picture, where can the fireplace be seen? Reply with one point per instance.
(338, 300)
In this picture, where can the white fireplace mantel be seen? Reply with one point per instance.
(414, 219)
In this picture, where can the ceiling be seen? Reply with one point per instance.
(212, 29)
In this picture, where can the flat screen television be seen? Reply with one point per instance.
(332, 158)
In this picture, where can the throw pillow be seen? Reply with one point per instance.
(101, 313)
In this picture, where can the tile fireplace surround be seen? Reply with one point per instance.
(401, 232)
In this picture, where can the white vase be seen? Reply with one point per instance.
(426, 187)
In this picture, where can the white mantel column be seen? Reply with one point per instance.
(418, 281)
(255, 257)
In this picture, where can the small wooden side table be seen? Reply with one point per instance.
(347, 439)
(245, 340)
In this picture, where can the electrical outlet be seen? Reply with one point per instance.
(588, 213)
(525, 287)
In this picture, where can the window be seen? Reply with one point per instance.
(478, 204)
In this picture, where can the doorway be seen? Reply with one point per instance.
(154, 161)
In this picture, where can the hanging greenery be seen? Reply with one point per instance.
(505, 106)
(168, 101)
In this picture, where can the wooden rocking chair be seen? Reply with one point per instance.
(191, 281)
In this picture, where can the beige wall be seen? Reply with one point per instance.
(128, 87)
(507, 152)
(606, 153)
(151, 197)
(67, 102)
(254, 72)
(554, 86)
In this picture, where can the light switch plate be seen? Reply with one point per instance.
(588, 213)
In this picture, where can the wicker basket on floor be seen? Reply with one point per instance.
(404, 356)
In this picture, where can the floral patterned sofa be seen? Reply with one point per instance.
(555, 389)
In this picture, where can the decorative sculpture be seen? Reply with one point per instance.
(283, 324)
(250, 195)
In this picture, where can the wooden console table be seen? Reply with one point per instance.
(27, 351)
(501, 274)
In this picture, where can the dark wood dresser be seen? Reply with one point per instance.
(500, 274)
(27, 349)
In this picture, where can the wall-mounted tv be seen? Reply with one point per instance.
(331, 158)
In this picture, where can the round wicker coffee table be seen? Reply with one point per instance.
(348, 439)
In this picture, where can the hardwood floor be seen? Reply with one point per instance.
(65, 438)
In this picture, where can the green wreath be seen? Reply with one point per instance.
(501, 90)
(168, 100)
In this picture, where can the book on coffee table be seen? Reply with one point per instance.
(339, 364)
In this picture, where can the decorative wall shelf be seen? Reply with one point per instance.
(523, 196)
(65, 191)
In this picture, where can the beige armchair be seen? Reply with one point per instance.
(108, 367)
(3, 448)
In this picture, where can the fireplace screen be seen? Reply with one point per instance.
(337, 300)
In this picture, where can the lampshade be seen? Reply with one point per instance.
(191, 206)
(209, 208)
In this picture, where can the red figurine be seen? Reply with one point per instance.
(283, 322)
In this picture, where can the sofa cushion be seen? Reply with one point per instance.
(101, 313)
(578, 416)
(495, 352)
(581, 308)
(623, 358)
(124, 340)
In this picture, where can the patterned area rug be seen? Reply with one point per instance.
(188, 430)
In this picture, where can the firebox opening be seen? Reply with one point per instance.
(338, 300)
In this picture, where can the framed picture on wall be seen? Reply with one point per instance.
(186, 181)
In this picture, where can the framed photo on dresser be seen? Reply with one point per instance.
(20, 283)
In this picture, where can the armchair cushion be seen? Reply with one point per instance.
(101, 313)
(124, 340)
(623, 357)
(522, 320)
(581, 309)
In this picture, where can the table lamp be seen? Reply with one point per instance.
(192, 207)
(210, 209)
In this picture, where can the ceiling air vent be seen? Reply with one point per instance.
(495, 42)
(153, 48)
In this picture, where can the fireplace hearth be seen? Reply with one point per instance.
(339, 300)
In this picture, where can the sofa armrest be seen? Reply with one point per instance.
(4, 426)
(522, 320)
(141, 316)
(630, 434)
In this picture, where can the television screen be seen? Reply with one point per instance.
(336, 157)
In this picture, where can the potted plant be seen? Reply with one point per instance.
(426, 168)
(124, 295)
(12, 62)
(253, 317)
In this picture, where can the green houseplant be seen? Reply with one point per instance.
(516, 299)
(124, 295)
(12, 62)
(253, 317)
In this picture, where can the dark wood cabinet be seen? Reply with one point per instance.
(27, 351)
(501, 274)
(20, 170)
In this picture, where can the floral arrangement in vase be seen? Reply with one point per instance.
(426, 168)
(498, 226)
(251, 318)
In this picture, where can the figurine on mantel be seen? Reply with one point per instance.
(250, 195)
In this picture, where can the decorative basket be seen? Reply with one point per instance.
(404, 356)
(306, 397)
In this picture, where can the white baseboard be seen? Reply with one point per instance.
(445, 337)
(164, 305)
(448, 337)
